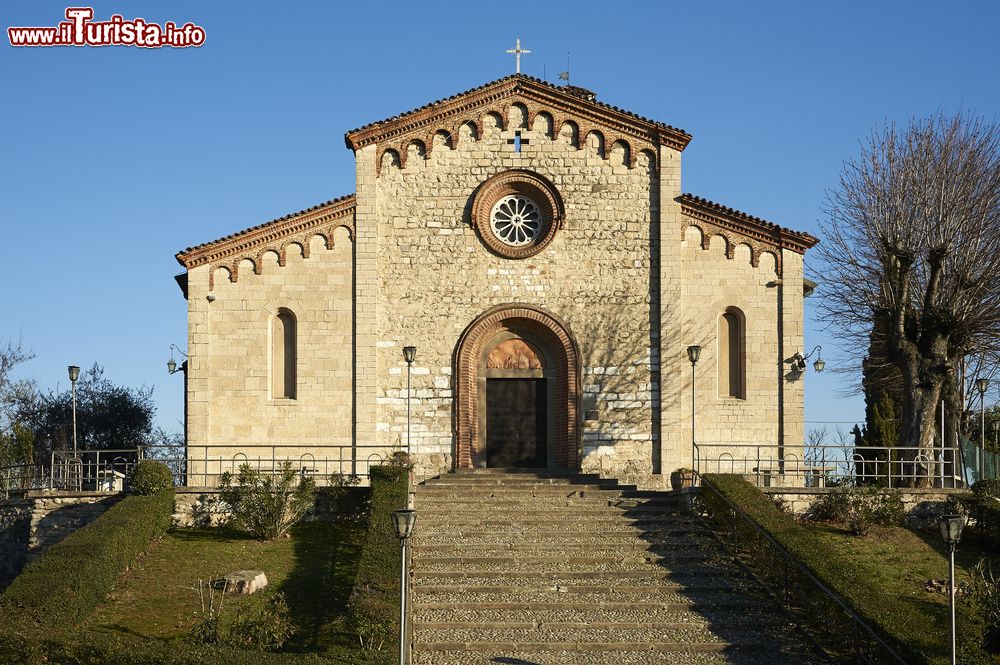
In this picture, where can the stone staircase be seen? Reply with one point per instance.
(550, 567)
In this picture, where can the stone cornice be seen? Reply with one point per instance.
(736, 227)
(249, 243)
(498, 95)
(744, 225)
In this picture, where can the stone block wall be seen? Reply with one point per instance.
(29, 526)
(230, 344)
(922, 506)
(435, 277)
(771, 409)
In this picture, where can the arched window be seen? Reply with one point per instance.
(732, 354)
(283, 354)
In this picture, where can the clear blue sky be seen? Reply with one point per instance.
(115, 158)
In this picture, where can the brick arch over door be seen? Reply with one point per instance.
(544, 328)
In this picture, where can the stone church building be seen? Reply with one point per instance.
(535, 247)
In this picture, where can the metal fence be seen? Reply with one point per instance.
(827, 465)
(192, 466)
(22, 477)
(203, 465)
(827, 618)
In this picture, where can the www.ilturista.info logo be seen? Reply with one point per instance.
(81, 30)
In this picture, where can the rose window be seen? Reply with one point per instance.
(515, 220)
(516, 213)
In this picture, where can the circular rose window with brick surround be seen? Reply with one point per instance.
(517, 213)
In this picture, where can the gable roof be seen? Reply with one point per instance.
(568, 99)
(336, 212)
(746, 225)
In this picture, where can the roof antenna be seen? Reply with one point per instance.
(564, 76)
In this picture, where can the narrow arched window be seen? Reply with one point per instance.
(732, 354)
(283, 354)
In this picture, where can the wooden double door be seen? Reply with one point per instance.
(516, 422)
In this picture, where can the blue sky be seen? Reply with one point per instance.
(115, 158)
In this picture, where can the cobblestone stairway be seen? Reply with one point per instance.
(550, 568)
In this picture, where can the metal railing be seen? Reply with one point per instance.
(827, 465)
(18, 478)
(826, 616)
(202, 466)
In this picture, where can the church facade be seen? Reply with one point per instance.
(535, 248)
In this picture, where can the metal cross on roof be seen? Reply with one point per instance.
(517, 51)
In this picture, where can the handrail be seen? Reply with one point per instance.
(790, 559)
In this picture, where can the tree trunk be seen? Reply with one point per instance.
(916, 435)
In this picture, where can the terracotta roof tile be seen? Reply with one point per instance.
(526, 79)
(757, 224)
(183, 255)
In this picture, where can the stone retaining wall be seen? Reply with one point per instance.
(922, 506)
(199, 506)
(29, 526)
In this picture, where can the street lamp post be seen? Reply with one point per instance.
(404, 521)
(409, 355)
(694, 352)
(74, 374)
(982, 383)
(951, 532)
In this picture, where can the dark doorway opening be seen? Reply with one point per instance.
(516, 423)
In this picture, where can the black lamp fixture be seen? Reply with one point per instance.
(404, 520)
(951, 533)
(694, 353)
(798, 361)
(982, 385)
(172, 367)
(74, 375)
(409, 354)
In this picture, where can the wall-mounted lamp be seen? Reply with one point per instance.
(798, 361)
(172, 364)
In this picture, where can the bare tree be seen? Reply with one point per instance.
(912, 253)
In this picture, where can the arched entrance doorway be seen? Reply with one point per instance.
(517, 384)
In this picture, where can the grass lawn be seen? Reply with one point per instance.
(883, 575)
(896, 563)
(315, 568)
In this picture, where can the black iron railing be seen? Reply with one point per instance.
(824, 614)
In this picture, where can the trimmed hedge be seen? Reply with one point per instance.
(899, 625)
(103, 649)
(150, 477)
(65, 585)
(374, 605)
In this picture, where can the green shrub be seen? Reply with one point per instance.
(985, 598)
(267, 504)
(267, 627)
(150, 477)
(902, 626)
(861, 508)
(373, 607)
(988, 487)
(65, 584)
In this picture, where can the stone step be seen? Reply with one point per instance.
(644, 607)
(598, 616)
(475, 589)
(642, 656)
(576, 515)
(581, 598)
(654, 638)
(542, 532)
(534, 501)
(596, 563)
(562, 539)
(522, 484)
(595, 547)
(427, 581)
(519, 473)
